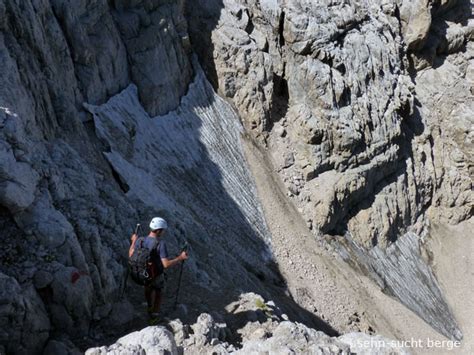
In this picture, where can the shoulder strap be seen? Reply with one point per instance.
(140, 240)
(156, 244)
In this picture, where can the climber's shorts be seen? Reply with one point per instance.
(158, 282)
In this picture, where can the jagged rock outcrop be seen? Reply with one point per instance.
(340, 108)
(339, 103)
(265, 333)
(337, 112)
(151, 340)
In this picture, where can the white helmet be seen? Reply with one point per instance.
(158, 223)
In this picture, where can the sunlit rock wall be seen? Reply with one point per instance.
(364, 108)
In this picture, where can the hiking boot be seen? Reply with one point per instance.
(154, 318)
(154, 321)
(158, 318)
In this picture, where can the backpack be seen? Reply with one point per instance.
(142, 269)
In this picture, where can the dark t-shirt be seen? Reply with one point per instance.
(162, 250)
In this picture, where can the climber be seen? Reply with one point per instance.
(159, 257)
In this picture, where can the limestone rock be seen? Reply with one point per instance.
(206, 329)
(416, 21)
(271, 336)
(22, 309)
(180, 331)
(56, 347)
(449, 116)
(153, 35)
(42, 279)
(334, 75)
(289, 337)
(151, 340)
(63, 214)
(242, 67)
(19, 182)
(345, 80)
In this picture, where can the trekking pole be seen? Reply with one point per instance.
(137, 228)
(185, 248)
(128, 269)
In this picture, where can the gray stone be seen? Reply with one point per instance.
(289, 338)
(120, 314)
(206, 329)
(24, 322)
(370, 155)
(151, 340)
(159, 63)
(18, 179)
(272, 337)
(66, 204)
(281, 131)
(56, 347)
(42, 279)
(415, 17)
(180, 331)
(289, 160)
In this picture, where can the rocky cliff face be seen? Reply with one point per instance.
(338, 93)
(106, 120)
(332, 89)
(61, 206)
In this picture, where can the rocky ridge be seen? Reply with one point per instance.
(263, 329)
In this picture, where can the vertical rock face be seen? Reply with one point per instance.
(155, 36)
(335, 100)
(447, 112)
(341, 100)
(338, 95)
(61, 263)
